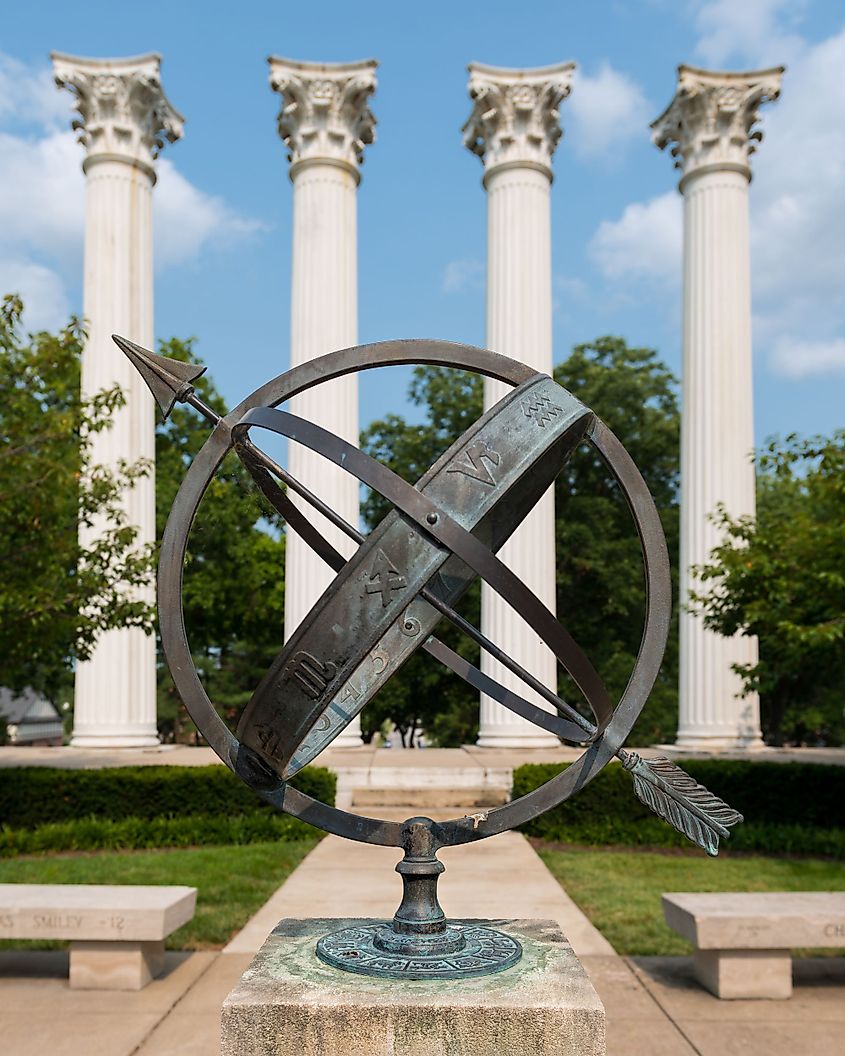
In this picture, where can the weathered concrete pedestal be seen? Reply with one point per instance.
(288, 1001)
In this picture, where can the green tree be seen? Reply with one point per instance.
(780, 577)
(56, 597)
(234, 574)
(425, 695)
(600, 583)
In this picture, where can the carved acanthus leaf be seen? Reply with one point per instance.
(122, 108)
(711, 120)
(325, 111)
(515, 116)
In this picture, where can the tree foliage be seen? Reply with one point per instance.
(600, 582)
(781, 577)
(600, 586)
(425, 695)
(234, 574)
(56, 597)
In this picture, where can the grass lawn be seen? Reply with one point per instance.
(232, 881)
(620, 890)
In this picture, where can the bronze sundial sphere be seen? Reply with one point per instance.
(385, 603)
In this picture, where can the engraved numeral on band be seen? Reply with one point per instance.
(384, 579)
(410, 625)
(380, 660)
(540, 409)
(312, 675)
(475, 462)
(350, 692)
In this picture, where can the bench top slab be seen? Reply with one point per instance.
(761, 920)
(91, 912)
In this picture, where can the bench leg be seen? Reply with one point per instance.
(735, 974)
(115, 965)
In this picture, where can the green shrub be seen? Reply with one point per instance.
(31, 797)
(790, 808)
(193, 830)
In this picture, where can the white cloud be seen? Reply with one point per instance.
(42, 194)
(461, 275)
(797, 219)
(644, 243)
(42, 290)
(28, 94)
(795, 358)
(605, 112)
(759, 32)
(187, 219)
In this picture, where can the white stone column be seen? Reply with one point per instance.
(124, 118)
(711, 124)
(514, 128)
(325, 122)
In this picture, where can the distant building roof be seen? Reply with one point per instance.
(26, 706)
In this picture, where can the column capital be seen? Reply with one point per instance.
(123, 111)
(515, 119)
(325, 114)
(711, 120)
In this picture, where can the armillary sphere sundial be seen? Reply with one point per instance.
(385, 603)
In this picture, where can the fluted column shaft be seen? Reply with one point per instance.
(124, 118)
(324, 317)
(717, 438)
(116, 688)
(710, 124)
(514, 128)
(325, 122)
(519, 325)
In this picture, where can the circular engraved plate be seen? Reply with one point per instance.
(485, 951)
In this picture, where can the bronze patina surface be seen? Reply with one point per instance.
(384, 604)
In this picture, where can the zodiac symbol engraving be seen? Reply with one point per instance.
(475, 462)
(312, 674)
(540, 409)
(384, 579)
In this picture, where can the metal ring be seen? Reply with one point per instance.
(245, 764)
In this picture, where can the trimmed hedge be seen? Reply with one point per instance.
(790, 808)
(194, 830)
(31, 797)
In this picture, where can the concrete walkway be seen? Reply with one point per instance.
(496, 878)
(654, 1006)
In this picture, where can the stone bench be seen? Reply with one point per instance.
(116, 932)
(743, 941)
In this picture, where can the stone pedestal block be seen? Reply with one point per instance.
(115, 965)
(289, 1001)
(734, 974)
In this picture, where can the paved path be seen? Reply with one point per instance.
(499, 877)
(368, 757)
(654, 1006)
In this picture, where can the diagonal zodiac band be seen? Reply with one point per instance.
(385, 601)
(442, 533)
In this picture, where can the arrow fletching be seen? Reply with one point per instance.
(169, 380)
(677, 798)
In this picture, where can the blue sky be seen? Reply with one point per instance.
(223, 203)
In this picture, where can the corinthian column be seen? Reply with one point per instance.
(124, 118)
(514, 128)
(711, 124)
(325, 122)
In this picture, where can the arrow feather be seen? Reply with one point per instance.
(677, 798)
